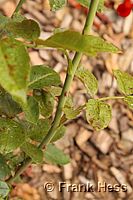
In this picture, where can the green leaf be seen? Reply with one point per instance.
(14, 68)
(4, 189)
(38, 131)
(31, 110)
(69, 102)
(101, 6)
(124, 81)
(55, 156)
(3, 21)
(58, 30)
(98, 114)
(59, 133)
(70, 111)
(4, 168)
(33, 152)
(45, 101)
(71, 40)
(54, 91)
(11, 135)
(27, 29)
(57, 4)
(129, 101)
(8, 106)
(17, 17)
(89, 80)
(86, 3)
(14, 160)
(42, 76)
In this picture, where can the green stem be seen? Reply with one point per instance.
(24, 165)
(19, 6)
(111, 98)
(66, 88)
(70, 76)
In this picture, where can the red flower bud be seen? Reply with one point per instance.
(125, 8)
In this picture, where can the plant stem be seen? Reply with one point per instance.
(111, 98)
(24, 165)
(70, 76)
(66, 87)
(19, 6)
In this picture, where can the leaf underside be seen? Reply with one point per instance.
(71, 40)
(98, 114)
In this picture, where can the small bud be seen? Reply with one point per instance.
(125, 8)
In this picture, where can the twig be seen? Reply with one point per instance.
(18, 6)
(111, 98)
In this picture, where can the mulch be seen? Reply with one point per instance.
(104, 156)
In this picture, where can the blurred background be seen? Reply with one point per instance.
(104, 156)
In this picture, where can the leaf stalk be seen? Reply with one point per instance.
(19, 5)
